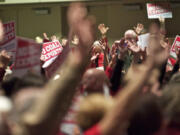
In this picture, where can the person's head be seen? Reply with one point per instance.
(39, 40)
(170, 102)
(30, 80)
(54, 38)
(175, 78)
(25, 98)
(23, 101)
(154, 27)
(13, 84)
(130, 35)
(5, 107)
(9, 84)
(94, 81)
(96, 49)
(147, 116)
(92, 109)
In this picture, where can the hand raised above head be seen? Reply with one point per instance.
(45, 36)
(82, 26)
(139, 28)
(103, 29)
(158, 55)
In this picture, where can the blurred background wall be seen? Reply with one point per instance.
(35, 17)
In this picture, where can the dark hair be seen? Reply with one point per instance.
(147, 117)
(14, 84)
(30, 80)
(8, 86)
(170, 103)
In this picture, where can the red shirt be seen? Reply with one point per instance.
(95, 130)
(101, 60)
(109, 72)
(45, 40)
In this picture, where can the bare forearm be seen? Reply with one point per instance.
(124, 103)
(51, 108)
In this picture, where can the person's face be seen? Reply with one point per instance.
(53, 38)
(96, 49)
(130, 38)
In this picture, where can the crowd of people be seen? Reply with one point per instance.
(101, 89)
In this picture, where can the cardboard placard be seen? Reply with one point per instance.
(51, 50)
(27, 57)
(52, 68)
(173, 56)
(9, 42)
(159, 10)
(176, 43)
(143, 40)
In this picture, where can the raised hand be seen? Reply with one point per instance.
(103, 29)
(4, 59)
(45, 36)
(157, 53)
(94, 56)
(133, 47)
(82, 26)
(139, 28)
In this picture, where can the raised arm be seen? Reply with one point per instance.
(48, 111)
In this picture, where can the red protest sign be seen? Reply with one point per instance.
(9, 42)
(173, 57)
(52, 68)
(27, 57)
(159, 10)
(176, 43)
(51, 50)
